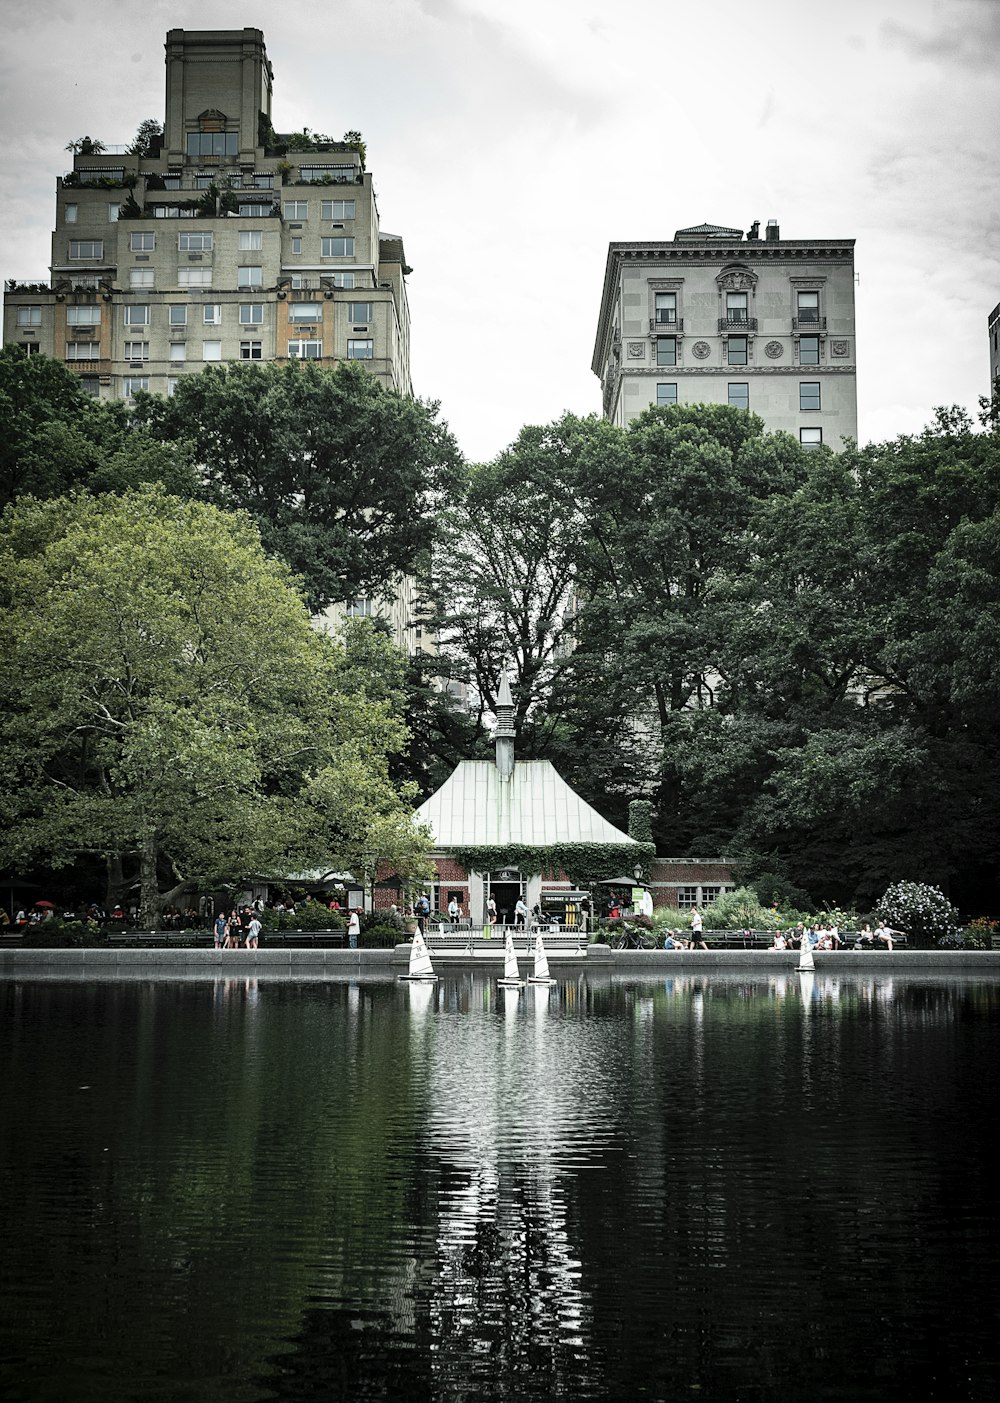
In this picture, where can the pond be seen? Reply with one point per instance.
(694, 1187)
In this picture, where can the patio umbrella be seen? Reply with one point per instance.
(49, 904)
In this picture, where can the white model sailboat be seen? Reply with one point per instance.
(511, 974)
(541, 971)
(420, 960)
(806, 962)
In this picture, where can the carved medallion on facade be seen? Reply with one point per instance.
(636, 350)
(838, 348)
(736, 280)
(701, 349)
(774, 349)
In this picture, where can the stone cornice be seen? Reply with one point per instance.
(737, 372)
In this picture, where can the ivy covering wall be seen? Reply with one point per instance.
(583, 863)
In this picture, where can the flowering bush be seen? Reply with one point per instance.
(919, 910)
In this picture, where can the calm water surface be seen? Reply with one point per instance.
(684, 1188)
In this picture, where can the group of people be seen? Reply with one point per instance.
(241, 926)
(824, 935)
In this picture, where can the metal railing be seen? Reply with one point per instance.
(666, 319)
(737, 321)
(809, 323)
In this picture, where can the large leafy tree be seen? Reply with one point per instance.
(342, 477)
(167, 705)
(57, 438)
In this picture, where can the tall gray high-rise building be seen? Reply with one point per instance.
(765, 324)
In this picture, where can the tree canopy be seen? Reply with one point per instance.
(342, 477)
(167, 705)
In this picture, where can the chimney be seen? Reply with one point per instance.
(505, 729)
(773, 232)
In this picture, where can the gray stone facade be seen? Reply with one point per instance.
(714, 317)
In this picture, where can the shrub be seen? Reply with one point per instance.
(920, 910)
(740, 910)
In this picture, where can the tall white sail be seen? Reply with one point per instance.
(806, 961)
(511, 973)
(420, 960)
(541, 972)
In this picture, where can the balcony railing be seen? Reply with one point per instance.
(809, 322)
(27, 285)
(737, 321)
(666, 321)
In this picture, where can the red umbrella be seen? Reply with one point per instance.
(46, 903)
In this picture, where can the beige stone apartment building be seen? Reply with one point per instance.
(713, 317)
(221, 241)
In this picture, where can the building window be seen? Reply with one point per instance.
(250, 277)
(739, 395)
(211, 314)
(710, 895)
(137, 350)
(172, 383)
(253, 211)
(70, 213)
(666, 394)
(808, 350)
(250, 350)
(86, 248)
(132, 384)
(736, 307)
(809, 395)
(195, 243)
(296, 245)
(737, 350)
(194, 277)
(264, 182)
(114, 212)
(171, 182)
(251, 314)
(141, 277)
(298, 281)
(178, 314)
(29, 316)
(91, 385)
(666, 350)
(359, 311)
(137, 314)
(808, 307)
(83, 350)
(251, 240)
(666, 309)
(212, 143)
(178, 350)
(358, 609)
(142, 243)
(686, 897)
(361, 349)
(305, 350)
(337, 248)
(342, 279)
(81, 316)
(337, 209)
(304, 311)
(811, 438)
(211, 350)
(296, 209)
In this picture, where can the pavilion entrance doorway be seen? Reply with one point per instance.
(505, 887)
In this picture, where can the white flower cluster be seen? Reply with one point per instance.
(917, 908)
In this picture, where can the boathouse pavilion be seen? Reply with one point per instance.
(499, 827)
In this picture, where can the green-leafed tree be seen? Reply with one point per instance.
(57, 438)
(342, 477)
(167, 705)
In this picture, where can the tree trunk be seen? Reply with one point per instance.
(151, 905)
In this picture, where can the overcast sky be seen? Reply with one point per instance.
(511, 142)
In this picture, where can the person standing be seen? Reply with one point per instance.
(697, 930)
(453, 911)
(423, 910)
(521, 914)
(253, 931)
(354, 927)
(491, 912)
(220, 930)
